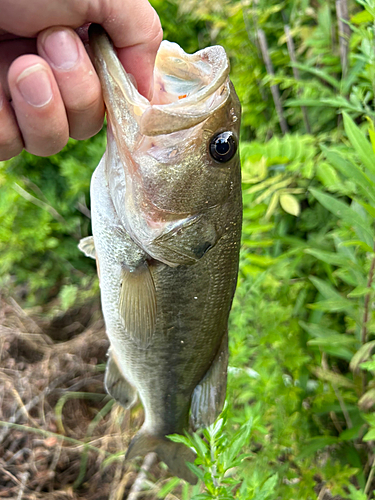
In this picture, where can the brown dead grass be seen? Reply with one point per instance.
(46, 366)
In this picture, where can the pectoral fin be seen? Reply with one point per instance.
(117, 386)
(86, 245)
(138, 304)
(209, 395)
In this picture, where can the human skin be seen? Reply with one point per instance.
(49, 89)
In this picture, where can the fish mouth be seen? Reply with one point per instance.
(188, 88)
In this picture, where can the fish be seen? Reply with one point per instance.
(166, 210)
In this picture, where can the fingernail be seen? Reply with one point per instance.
(61, 49)
(35, 86)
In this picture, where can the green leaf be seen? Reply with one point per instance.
(290, 204)
(327, 175)
(328, 335)
(368, 365)
(356, 494)
(357, 243)
(362, 17)
(334, 378)
(258, 243)
(168, 487)
(328, 291)
(370, 436)
(363, 354)
(68, 295)
(239, 440)
(367, 401)
(201, 446)
(330, 341)
(315, 444)
(359, 291)
(360, 143)
(369, 208)
(260, 260)
(330, 305)
(371, 133)
(331, 258)
(343, 211)
(196, 470)
(256, 228)
(350, 434)
(319, 73)
(352, 172)
(272, 205)
(336, 350)
(178, 438)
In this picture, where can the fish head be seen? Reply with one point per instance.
(178, 153)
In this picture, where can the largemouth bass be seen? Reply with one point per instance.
(166, 220)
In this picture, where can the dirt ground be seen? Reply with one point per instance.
(61, 436)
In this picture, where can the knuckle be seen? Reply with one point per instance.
(85, 131)
(154, 32)
(8, 151)
(48, 145)
(84, 102)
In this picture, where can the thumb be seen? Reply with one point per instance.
(133, 26)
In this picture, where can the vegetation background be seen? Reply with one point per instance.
(299, 422)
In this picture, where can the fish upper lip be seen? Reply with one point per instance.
(214, 57)
(210, 89)
(202, 78)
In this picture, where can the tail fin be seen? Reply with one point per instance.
(175, 455)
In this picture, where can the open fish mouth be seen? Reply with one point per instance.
(188, 88)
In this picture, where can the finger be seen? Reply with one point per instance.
(10, 137)
(129, 23)
(139, 57)
(38, 106)
(78, 83)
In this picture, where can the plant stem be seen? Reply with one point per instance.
(344, 34)
(339, 398)
(366, 313)
(292, 55)
(148, 462)
(369, 480)
(366, 317)
(39, 203)
(52, 434)
(24, 477)
(274, 88)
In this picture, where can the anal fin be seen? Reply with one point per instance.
(209, 395)
(116, 384)
(138, 304)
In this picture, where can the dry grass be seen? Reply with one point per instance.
(63, 430)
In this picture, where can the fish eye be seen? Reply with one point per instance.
(223, 146)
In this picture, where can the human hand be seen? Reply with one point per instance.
(49, 78)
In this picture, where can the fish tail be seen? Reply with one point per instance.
(175, 455)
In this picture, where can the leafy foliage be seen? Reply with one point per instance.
(299, 419)
(43, 215)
